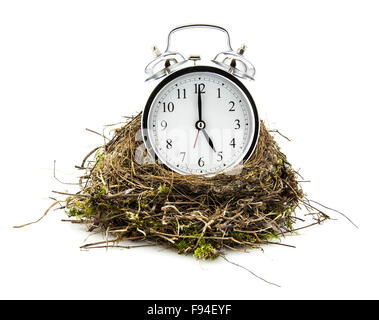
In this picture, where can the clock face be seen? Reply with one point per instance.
(200, 120)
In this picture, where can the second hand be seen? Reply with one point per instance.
(197, 135)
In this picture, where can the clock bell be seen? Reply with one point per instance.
(233, 61)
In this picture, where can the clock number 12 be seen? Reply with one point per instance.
(199, 86)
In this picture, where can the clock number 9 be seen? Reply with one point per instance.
(164, 124)
(170, 107)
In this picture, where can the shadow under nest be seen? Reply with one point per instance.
(190, 213)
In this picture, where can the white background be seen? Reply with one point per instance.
(70, 65)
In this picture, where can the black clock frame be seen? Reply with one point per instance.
(192, 69)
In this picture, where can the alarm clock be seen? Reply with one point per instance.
(200, 118)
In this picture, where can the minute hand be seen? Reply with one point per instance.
(199, 104)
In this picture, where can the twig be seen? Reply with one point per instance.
(107, 241)
(277, 131)
(99, 134)
(69, 183)
(122, 247)
(342, 214)
(248, 270)
(45, 213)
(88, 155)
(72, 194)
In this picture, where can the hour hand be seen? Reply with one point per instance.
(209, 140)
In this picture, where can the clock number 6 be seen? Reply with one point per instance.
(201, 162)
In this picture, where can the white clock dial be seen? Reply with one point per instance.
(200, 120)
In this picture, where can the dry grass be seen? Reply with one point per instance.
(190, 213)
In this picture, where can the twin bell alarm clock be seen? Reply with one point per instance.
(200, 118)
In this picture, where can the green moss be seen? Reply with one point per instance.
(205, 251)
(144, 204)
(162, 189)
(240, 236)
(189, 230)
(99, 154)
(147, 225)
(131, 216)
(81, 209)
(268, 236)
(251, 174)
(99, 157)
(183, 244)
(99, 192)
(290, 224)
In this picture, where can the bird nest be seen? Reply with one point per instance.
(131, 199)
